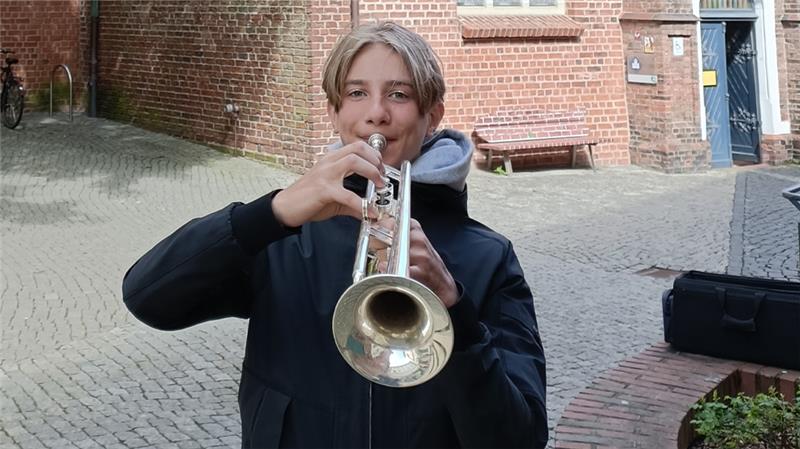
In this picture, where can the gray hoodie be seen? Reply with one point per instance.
(444, 159)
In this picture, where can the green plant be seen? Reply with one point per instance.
(39, 99)
(500, 170)
(115, 103)
(765, 421)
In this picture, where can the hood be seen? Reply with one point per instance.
(445, 158)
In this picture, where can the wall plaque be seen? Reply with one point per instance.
(641, 69)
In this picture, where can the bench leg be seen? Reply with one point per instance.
(589, 155)
(489, 160)
(507, 164)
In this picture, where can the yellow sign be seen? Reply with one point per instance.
(649, 44)
(709, 78)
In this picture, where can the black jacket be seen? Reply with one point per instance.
(296, 390)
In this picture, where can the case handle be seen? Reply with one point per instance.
(742, 325)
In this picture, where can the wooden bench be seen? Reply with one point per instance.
(518, 131)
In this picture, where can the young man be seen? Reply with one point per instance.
(284, 260)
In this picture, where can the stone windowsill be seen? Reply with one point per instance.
(519, 27)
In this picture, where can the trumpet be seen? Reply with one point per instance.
(389, 328)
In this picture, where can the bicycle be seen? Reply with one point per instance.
(12, 98)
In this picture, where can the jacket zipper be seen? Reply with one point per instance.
(369, 424)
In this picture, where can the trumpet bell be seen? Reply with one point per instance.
(393, 330)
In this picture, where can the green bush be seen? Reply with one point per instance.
(765, 421)
(39, 99)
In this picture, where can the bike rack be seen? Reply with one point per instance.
(69, 78)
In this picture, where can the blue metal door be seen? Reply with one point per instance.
(715, 80)
(743, 109)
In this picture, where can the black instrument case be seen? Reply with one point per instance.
(734, 317)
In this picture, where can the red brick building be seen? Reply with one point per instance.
(637, 67)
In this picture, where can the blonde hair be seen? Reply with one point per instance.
(418, 56)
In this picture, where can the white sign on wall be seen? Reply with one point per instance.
(677, 46)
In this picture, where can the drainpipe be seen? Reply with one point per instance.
(94, 30)
(353, 13)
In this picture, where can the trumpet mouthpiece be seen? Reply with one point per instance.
(377, 141)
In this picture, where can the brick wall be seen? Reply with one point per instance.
(659, 6)
(172, 66)
(781, 38)
(791, 31)
(332, 19)
(43, 34)
(602, 66)
(664, 117)
(776, 149)
(552, 73)
(585, 72)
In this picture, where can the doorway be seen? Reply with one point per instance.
(743, 91)
(731, 92)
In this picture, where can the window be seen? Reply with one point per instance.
(726, 4)
(510, 7)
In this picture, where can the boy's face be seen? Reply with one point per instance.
(379, 97)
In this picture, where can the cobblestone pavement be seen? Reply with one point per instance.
(762, 226)
(81, 201)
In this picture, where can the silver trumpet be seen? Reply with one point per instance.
(391, 329)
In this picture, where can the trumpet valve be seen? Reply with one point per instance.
(385, 196)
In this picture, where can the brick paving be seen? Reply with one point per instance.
(642, 402)
(81, 201)
(765, 225)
